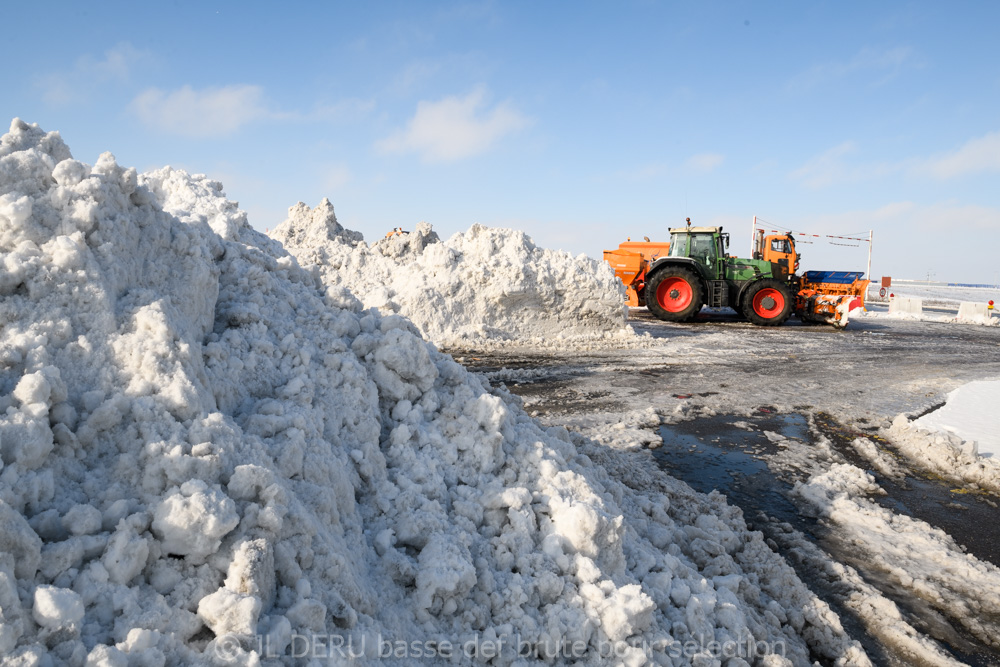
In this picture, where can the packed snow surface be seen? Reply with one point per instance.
(970, 413)
(209, 456)
(484, 284)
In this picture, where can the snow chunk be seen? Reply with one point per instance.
(82, 520)
(20, 541)
(103, 655)
(193, 520)
(227, 612)
(445, 576)
(57, 608)
(126, 554)
(627, 612)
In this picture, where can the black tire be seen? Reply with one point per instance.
(674, 294)
(767, 303)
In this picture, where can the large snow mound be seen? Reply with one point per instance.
(485, 284)
(209, 457)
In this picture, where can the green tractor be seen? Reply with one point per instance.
(698, 271)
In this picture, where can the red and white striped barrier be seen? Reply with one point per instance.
(857, 239)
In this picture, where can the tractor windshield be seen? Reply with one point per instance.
(781, 245)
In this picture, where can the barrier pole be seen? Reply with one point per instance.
(871, 236)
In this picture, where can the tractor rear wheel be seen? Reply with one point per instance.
(768, 303)
(674, 294)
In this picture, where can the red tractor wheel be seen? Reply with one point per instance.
(674, 294)
(768, 303)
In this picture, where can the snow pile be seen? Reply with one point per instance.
(959, 440)
(208, 457)
(945, 454)
(485, 284)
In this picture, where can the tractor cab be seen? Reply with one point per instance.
(778, 249)
(705, 245)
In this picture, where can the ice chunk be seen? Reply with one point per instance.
(252, 571)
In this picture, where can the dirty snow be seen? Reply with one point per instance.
(959, 440)
(913, 555)
(482, 285)
(210, 455)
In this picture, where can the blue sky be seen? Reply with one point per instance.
(581, 123)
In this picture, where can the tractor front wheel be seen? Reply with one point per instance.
(768, 303)
(674, 294)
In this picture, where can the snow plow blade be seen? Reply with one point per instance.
(830, 296)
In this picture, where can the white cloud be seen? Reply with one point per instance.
(454, 128)
(211, 112)
(886, 63)
(978, 155)
(89, 73)
(832, 167)
(704, 162)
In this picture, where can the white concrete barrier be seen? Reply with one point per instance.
(970, 311)
(906, 305)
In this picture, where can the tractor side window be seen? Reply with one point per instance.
(678, 245)
(780, 245)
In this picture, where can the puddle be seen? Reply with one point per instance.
(720, 453)
(715, 454)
